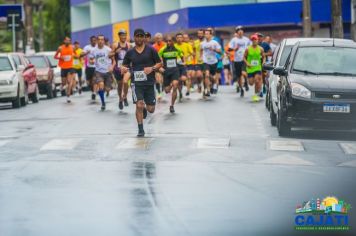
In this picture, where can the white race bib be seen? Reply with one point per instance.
(67, 58)
(255, 63)
(179, 61)
(171, 63)
(76, 62)
(211, 59)
(119, 63)
(140, 76)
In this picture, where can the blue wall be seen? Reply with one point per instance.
(83, 36)
(76, 2)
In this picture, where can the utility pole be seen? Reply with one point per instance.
(40, 25)
(29, 25)
(337, 30)
(307, 26)
(353, 19)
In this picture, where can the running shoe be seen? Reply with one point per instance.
(121, 105)
(242, 93)
(103, 107)
(255, 98)
(80, 91)
(171, 109)
(93, 96)
(260, 94)
(63, 93)
(237, 89)
(246, 87)
(68, 100)
(187, 94)
(141, 133)
(107, 94)
(126, 103)
(144, 113)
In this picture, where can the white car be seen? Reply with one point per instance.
(12, 85)
(280, 57)
(54, 62)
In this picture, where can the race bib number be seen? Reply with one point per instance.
(171, 63)
(76, 62)
(101, 60)
(211, 59)
(140, 76)
(119, 63)
(67, 58)
(255, 63)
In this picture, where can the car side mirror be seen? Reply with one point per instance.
(280, 71)
(268, 66)
(21, 68)
(53, 66)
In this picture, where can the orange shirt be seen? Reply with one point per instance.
(66, 60)
(231, 54)
(158, 47)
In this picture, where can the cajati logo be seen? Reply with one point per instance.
(328, 214)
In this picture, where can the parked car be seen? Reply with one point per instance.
(279, 58)
(12, 84)
(28, 73)
(317, 86)
(54, 64)
(45, 75)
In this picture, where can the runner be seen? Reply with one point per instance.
(148, 38)
(144, 62)
(78, 64)
(267, 53)
(103, 69)
(209, 48)
(170, 55)
(239, 44)
(158, 45)
(120, 50)
(199, 64)
(254, 59)
(184, 47)
(189, 57)
(90, 64)
(226, 60)
(65, 54)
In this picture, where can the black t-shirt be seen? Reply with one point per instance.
(138, 61)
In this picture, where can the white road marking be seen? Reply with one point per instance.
(4, 142)
(286, 145)
(348, 164)
(348, 148)
(213, 143)
(286, 160)
(134, 143)
(60, 144)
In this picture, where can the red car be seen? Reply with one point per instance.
(29, 74)
(45, 75)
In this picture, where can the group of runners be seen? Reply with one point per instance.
(167, 65)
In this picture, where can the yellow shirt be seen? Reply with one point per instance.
(187, 50)
(78, 62)
(198, 60)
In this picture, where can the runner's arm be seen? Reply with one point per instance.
(56, 56)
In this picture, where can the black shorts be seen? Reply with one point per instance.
(227, 67)
(212, 68)
(118, 75)
(182, 70)
(65, 72)
(190, 67)
(219, 70)
(198, 67)
(239, 67)
(89, 73)
(145, 93)
(252, 75)
(169, 76)
(79, 72)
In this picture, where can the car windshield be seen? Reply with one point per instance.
(326, 60)
(38, 62)
(285, 54)
(53, 61)
(5, 64)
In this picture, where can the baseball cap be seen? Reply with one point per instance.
(239, 28)
(139, 32)
(122, 31)
(147, 34)
(254, 37)
(259, 34)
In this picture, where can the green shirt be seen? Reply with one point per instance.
(254, 58)
(170, 55)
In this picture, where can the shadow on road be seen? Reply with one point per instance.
(324, 134)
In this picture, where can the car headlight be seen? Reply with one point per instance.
(299, 90)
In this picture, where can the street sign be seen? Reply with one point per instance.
(14, 17)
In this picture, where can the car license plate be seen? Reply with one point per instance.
(337, 108)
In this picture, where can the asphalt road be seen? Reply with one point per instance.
(216, 167)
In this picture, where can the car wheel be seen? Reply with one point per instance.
(284, 128)
(17, 102)
(34, 96)
(49, 91)
(272, 115)
(54, 89)
(23, 101)
(267, 103)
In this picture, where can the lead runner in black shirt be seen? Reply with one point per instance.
(143, 62)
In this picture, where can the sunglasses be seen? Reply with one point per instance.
(140, 36)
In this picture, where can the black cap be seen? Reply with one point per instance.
(147, 34)
(139, 32)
